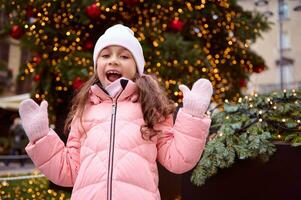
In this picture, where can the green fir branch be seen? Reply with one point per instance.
(248, 129)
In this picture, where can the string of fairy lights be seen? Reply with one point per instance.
(250, 128)
(59, 31)
(268, 111)
(34, 186)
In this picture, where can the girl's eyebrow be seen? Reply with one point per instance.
(104, 49)
(125, 50)
(121, 50)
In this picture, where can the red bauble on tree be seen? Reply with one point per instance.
(88, 45)
(59, 101)
(37, 59)
(176, 25)
(16, 32)
(37, 77)
(243, 83)
(77, 83)
(130, 2)
(258, 68)
(93, 11)
(29, 11)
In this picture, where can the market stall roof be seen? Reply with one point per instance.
(12, 102)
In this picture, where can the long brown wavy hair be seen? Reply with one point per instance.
(155, 104)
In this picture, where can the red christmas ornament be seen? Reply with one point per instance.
(29, 11)
(59, 100)
(77, 83)
(16, 32)
(93, 11)
(37, 77)
(246, 68)
(37, 59)
(176, 25)
(242, 83)
(258, 69)
(88, 45)
(131, 2)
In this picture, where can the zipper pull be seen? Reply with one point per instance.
(113, 109)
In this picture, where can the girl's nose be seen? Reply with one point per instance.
(114, 60)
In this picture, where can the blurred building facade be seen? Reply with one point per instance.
(280, 47)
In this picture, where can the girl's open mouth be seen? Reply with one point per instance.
(113, 75)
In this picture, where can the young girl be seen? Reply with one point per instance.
(119, 125)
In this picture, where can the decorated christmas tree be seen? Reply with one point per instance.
(182, 41)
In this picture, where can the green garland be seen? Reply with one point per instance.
(248, 129)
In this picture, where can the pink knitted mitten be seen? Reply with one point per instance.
(34, 119)
(196, 100)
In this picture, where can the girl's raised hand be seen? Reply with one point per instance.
(196, 100)
(34, 119)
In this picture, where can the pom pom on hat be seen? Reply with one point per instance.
(122, 36)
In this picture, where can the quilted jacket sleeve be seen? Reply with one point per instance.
(181, 144)
(58, 162)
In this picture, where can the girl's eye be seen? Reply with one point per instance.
(105, 55)
(124, 56)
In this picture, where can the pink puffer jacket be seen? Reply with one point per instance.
(112, 161)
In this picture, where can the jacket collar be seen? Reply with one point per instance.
(129, 92)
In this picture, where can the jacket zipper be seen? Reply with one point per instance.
(111, 151)
(111, 147)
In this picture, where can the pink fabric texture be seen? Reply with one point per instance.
(84, 162)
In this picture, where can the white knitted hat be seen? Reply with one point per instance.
(122, 36)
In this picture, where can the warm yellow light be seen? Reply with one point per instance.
(155, 43)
